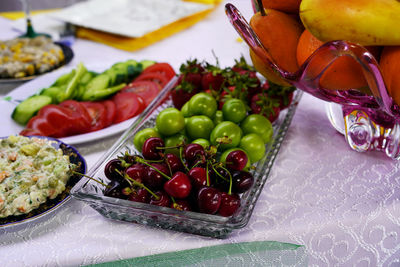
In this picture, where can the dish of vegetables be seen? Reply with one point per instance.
(84, 103)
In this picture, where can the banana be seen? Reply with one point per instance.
(366, 22)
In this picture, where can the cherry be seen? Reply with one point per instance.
(153, 147)
(136, 171)
(236, 160)
(114, 189)
(153, 178)
(220, 177)
(193, 151)
(181, 204)
(229, 204)
(161, 200)
(198, 176)
(110, 170)
(140, 195)
(174, 163)
(241, 181)
(179, 186)
(208, 200)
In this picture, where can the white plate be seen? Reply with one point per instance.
(10, 127)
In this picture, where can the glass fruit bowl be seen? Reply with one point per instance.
(91, 192)
(371, 121)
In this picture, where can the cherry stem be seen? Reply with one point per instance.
(261, 7)
(181, 158)
(207, 177)
(134, 182)
(140, 160)
(230, 180)
(218, 174)
(168, 147)
(91, 178)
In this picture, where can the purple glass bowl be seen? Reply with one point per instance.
(371, 122)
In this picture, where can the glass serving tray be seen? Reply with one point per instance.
(217, 226)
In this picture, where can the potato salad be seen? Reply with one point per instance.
(31, 171)
(21, 57)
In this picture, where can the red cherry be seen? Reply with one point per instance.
(229, 204)
(236, 160)
(153, 148)
(198, 176)
(152, 177)
(140, 195)
(136, 172)
(181, 204)
(174, 163)
(163, 199)
(111, 168)
(208, 200)
(179, 186)
(241, 181)
(193, 152)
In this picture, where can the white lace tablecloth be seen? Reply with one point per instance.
(343, 206)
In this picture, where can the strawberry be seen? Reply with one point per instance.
(213, 78)
(283, 93)
(266, 106)
(189, 83)
(191, 72)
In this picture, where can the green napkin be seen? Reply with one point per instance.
(259, 253)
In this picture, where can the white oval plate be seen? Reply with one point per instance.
(9, 102)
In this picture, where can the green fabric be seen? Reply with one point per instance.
(259, 253)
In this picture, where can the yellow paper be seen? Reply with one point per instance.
(132, 44)
(14, 15)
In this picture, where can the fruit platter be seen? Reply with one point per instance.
(197, 158)
(347, 59)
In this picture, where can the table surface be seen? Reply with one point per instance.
(343, 206)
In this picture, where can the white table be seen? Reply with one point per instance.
(342, 205)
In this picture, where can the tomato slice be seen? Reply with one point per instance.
(39, 125)
(128, 105)
(154, 77)
(98, 115)
(162, 68)
(147, 90)
(82, 120)
(60, 118)
(111, 110)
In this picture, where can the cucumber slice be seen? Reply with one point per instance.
(147, 63)
(53, 92)
(64, 79)
(86, 78)
(29, 107)
(99, 82)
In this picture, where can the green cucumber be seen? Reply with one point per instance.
(147, 63)
(29, 107)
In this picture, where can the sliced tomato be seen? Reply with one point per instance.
(98, 115)
(154, 77)
(162, 68)
(80, 115)
(61, 120)
(147, 90)
(111, 110)
(38, 125)
(128, 105)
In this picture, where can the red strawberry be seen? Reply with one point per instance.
(266, 106)
(283, 93)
